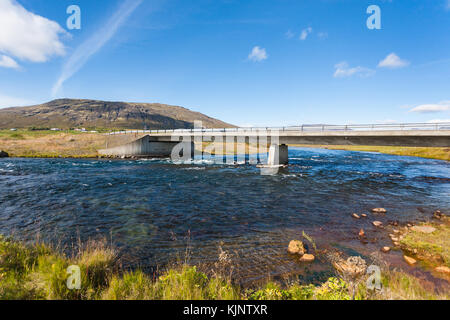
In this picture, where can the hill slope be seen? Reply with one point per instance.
(71, 113)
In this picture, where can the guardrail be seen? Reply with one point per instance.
(307, 128)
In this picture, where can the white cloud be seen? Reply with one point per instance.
(27, 36)
(8, 62)
(393, 61)
(305, 33)
(258, 54)
(343, 70)
(93, 44)
(439, 121)
(432, 108)
(6, 101)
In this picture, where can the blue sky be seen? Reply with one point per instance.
(248, 62)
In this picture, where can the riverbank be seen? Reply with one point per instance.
(429, 153)
(39, 272)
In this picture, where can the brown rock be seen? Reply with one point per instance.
(410, 260)
(3, 154)
(385, 249)
(362, 233)
(364, 215)
(379, 210)
(307, 258)
(443, 269)
(353, 266)
(354, 215)
(296, 247)
(377, 224)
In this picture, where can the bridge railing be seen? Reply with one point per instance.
(306, 128)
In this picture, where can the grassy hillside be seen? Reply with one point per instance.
(72, 113)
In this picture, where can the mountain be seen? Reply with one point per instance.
(75, 113)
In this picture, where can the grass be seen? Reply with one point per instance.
(432, 248)
(51, 144)
(430, 153)
(39, 272)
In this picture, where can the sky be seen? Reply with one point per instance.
(249, 63)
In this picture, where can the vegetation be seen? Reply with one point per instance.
(432, 248)
(39, 272)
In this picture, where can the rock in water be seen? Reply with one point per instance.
(379, 210)
(307, 258)
(443, 269)
(410, 260)
(354, 215)
(362, 233)
(377, 224)
(296, 247)
(424, 229)
(3, 154)
(385, 249)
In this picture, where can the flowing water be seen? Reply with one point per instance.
(156, 212)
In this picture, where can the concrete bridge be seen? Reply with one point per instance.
(166, 143)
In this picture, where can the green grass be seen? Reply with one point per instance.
(39, 272)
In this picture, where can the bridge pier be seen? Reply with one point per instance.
(278, 155)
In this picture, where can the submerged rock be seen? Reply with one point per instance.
(377, 224)
(385, 249)
(307, 258)
(3, 154)
(409, 260)
(362, 233)
(296, 247)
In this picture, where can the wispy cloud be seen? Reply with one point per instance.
(305, 33)
(258, 54)
(27, 36)
(289, 34)
(343, 70)
(432, 108)
(93, 44)
(393, 61)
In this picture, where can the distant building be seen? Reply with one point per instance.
(55, 129)
(13, 129)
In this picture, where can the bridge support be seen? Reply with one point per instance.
(278, 155)
(147, 147)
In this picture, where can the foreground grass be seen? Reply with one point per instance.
(430, 153)
(37, 272)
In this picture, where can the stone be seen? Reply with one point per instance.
(353, 266)
(424, 229)
(362, 233)
(354, 215)
(385, 249)
(307, 258)
(379, 210)
(3, 154)
(437, 214)
(296, 247)
(443, 269)
(377, 224)
(364, 215)
(409, 260)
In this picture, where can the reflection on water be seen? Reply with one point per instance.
(150, 208)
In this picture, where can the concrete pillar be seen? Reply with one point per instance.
(278, 155)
